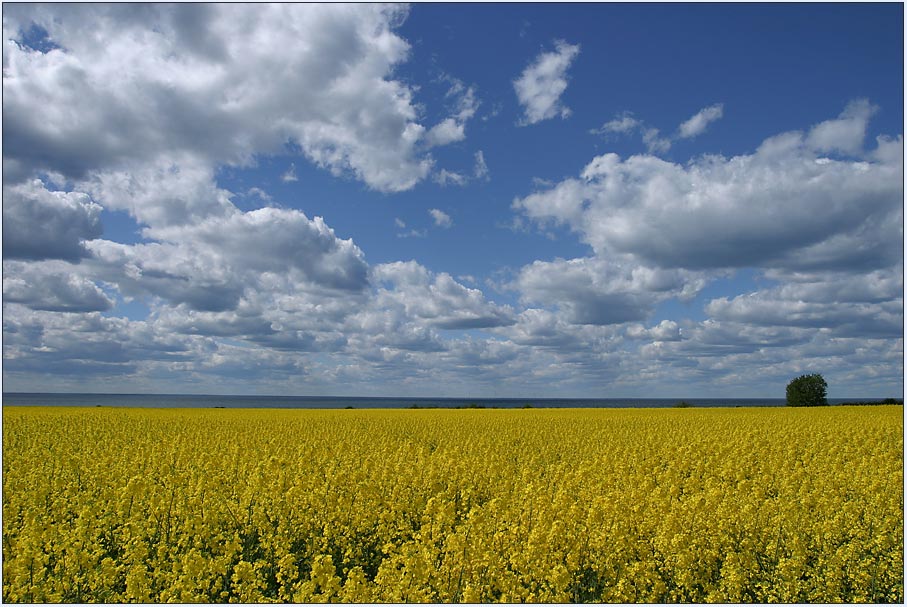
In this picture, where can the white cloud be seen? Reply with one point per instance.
(399, 222)
(543, 328)
(214, 264)
(444, 178)
(655, 143)
(445, 132)
(86, 347)
(598, 291)
(755, 357)
(872, 286)
(52, 286)
(43, 224)
(846, 305)
(290, 175)
(215, 83)
(666, 330)
(825, 232)
(115, 353)
(844, 134)
(698, 123)
(464, 107)
(623, 122)
(271, 281)
(480, 171)
(260, 194)
(465, 102)
(778, 207)
(440, 218)
(436, 299)
(170, 192)
(540, 86)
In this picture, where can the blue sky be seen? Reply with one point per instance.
(577, 200)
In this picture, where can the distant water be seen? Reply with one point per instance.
(332, 402)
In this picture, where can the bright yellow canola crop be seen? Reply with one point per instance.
(731, 505)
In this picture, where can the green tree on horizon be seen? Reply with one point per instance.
(807, 391)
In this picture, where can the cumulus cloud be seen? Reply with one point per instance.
(117, 353)
(825, 232)
(874, 286)
(42, 224)
(446, 131)
(597, 291)
(436, 298)
(441, 219)
(782, 206)
(540, 86)
(169, 192)
(279, 241)
(666, 330)
(209, 266)
(846, 319)
(85, 345)
(244, 320)
(164, 97)
(844, 134)
(140, 107)
(698, 123)
(401, 322)
(273, 305)
(543, 328)
(213, 82)
(52, 286)
(846, 305)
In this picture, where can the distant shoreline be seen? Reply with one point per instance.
(195, 401)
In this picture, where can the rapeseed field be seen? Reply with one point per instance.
(691, 505)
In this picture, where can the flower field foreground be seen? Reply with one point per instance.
(731, 505)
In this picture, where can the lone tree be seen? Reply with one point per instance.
(807, 391)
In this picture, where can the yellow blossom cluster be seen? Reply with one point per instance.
(633, 505)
